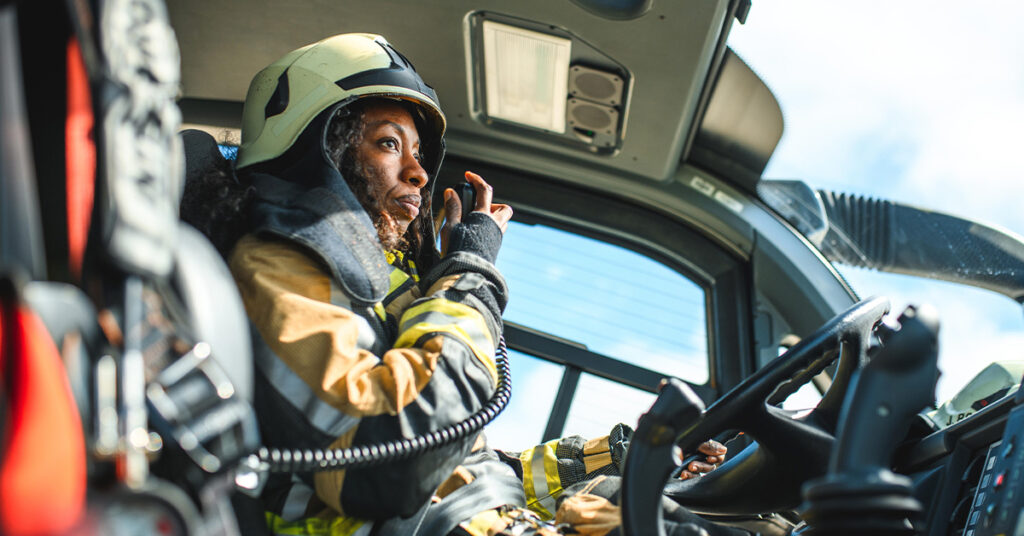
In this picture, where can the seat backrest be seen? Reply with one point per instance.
(201, 275)
(42, 461)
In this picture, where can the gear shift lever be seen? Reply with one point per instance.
(860, 495)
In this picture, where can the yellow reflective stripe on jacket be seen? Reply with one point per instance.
(442, 316)
(398, 278)
(315, 526)
(402, 291)
(397, 259)
(540, 478)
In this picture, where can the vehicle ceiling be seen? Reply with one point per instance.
(671, 51)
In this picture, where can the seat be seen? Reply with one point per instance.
(65, 296)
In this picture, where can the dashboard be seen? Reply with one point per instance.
(968, 476)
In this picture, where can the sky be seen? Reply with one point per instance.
(927, 93)
(917, 102)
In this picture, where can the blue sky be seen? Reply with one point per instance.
(918, 102)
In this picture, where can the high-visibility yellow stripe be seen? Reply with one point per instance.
(398, 278)
(452, 309)
(551, 469)
(528, 482)
(393, 257)
(463, 315)
(413, 334)
(540, 478)
(441, 311)
(314, 526)
(379, 309)
(551, 473)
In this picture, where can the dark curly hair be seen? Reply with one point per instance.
(213, 201)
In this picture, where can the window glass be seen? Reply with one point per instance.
(958, 307)
(806, 397)
(977, 326)
(599, 404)
(614, 301)
(534, 386)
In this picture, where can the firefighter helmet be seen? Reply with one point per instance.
(288, 94)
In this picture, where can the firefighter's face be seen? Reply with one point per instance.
(389, 150)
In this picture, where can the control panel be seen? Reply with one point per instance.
(999, 500)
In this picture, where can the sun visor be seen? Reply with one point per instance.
(741, 125)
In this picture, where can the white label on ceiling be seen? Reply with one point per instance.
(728, 201)
(702, 186)
(708, 189)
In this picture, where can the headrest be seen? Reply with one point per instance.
(201, 154)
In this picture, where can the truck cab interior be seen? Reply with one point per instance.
(653, 270)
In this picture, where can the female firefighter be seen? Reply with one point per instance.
(363, 331)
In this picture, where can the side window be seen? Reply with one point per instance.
(593, 326)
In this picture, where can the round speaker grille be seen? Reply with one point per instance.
(602, 87)
(595, 86)
(591, 117)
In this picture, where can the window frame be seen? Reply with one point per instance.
(649, 231)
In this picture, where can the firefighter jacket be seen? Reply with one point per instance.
(353, 347)
(336, 367)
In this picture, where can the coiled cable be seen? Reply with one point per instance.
(312, 460)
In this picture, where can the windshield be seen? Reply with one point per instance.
(917, 104)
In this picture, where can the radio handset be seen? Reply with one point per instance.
(467, 196)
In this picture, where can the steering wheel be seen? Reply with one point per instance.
(789, 450)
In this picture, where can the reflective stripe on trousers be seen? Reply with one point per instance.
(540, 478)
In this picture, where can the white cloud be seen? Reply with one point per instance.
(937, 87)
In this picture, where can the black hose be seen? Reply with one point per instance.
(312, 460)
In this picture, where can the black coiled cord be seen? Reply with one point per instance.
(311, 460)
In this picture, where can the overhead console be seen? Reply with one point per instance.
(521, 71)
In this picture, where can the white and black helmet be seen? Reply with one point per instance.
(288, 94)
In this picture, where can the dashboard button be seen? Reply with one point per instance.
(990, 514)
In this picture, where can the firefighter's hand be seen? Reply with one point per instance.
(714, 454)
(499, 212)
